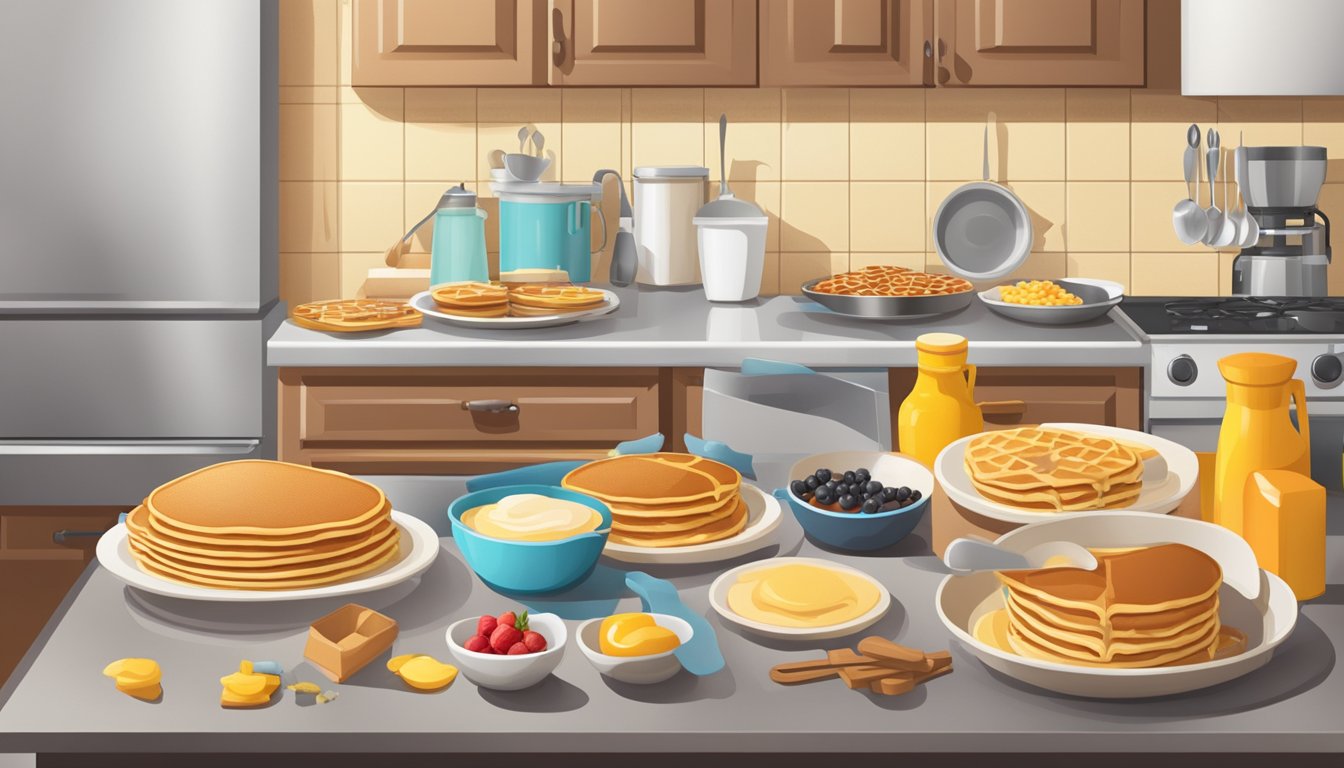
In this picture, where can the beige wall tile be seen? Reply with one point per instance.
(1184, 274)
(1026, 143)
(1267, 121)
(886, 134)
(766, 195)
(309, 221)
(1157, 135)
(371, 134)
(908, 260)
(345, 39)
(306, 277)
(591, 132)
(1150, 216)
(421, 197)
(1323, 126)
(1041, 266)
(371, 215)
(1098, 216)
(440, 134)
(308, 52)
(1099, 266)
(1097, 146)
(502, 111)
(307, 150)
(754, 132)
(935, 192)
(668, 126)
(815, 216)
(1047, 205)
(355, 270)
(886, 216)
(816, 134)
(797, 268)
(770, 274)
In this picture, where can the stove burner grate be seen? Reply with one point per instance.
(1250, 308)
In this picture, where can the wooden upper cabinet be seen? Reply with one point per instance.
(846, 42)
(653, 42)
(449, 42)
(1041, 42)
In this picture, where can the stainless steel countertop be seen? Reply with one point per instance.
(679, 327)
(57, 700)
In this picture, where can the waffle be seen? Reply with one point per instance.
(555, 295)
(354, 315)
(1054, 470)
(891, 281)
(472, 299)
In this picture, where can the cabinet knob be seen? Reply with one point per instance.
(489, 406)
(928, 49)
(557, 48)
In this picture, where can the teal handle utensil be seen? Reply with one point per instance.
(755, 366)
(713, 449)
(700, 656)
(550, 473)
(651, 444)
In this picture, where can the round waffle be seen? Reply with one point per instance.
(472, 299)
(570, 297)
(1054, 469)
(891, 281)
(354, 315)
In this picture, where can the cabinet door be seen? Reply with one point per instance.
(1041, 42)
(846, 42)
(448, 42)
(667, 42)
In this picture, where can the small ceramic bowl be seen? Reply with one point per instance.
(529, 567)
(509, 673)
(855, 531)
(639, 670)
(526, 167)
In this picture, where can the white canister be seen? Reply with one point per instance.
(666, 200)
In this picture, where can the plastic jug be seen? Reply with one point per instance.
(548, 226)
(1257, 432)
(457, 252)
(941, 408)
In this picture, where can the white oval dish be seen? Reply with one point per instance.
(763, 516)
(419, 547)
(718, 600)
(509, 673)
(425, 303)
(638, 670)
(1163, 496)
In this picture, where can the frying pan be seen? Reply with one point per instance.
(982, 231)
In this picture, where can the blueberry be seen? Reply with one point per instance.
(871, 506)
(873, 487)
(848, 502)
(799, 488)
(811, 482)
(825, 495)
(823, 474)
(916, 496)
(849, 477)
(832, 484)
(888, 494)
(856, 489)
(902, 493)
(863, 474)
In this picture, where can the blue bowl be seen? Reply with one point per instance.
(858, 532)
(529, 567)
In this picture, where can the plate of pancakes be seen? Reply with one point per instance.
(514, 305)
(266, 531)
(1029, 474)
(1174, 605)
(677, 508)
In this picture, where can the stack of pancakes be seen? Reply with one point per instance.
(263, 525)
(472, 299)
(537, 299)
(1055, 470)
(665, 499)
(1147, 607)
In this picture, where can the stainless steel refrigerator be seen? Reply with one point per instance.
(138, 270)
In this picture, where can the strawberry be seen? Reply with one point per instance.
(478, 643)
(485, 625)
(507, 619)
(504, 637)
(534, 641)
(517, 649)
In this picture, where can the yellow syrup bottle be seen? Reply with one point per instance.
(940, 409)
(1257, 432)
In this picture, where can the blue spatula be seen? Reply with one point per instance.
(701, 655)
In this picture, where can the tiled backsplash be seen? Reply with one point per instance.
(849, 177)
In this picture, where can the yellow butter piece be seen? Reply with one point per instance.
(427, 673)
(246, 688)
(305, 688)
(394, 664)
(144, 693)
(136, 677)
(635, 634)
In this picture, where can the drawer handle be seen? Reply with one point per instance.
(1003, 408)
(60, 536)
(489, 406)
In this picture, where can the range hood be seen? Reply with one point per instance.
(1262, 47)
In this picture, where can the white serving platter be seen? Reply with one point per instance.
(425, 303)
(718, 600)
(763, 516)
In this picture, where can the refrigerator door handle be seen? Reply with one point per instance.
(125, 447)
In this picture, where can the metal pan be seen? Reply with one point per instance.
(1098, 296)
(888, 307)
(981, 230)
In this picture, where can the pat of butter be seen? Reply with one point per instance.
(801, 595)
(532, 517)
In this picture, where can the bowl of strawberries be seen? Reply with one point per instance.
(510, 651)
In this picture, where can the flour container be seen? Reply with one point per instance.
(666, 201)
(548, 226)
(730, 235)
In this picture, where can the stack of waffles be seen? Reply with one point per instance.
(1055, 470)
(354, 315)
(515, 300)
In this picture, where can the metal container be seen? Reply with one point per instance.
(888, 307)
(1281, 177)
(1099, 297)
(666, 199)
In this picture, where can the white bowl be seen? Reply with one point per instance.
(640, 670)
(509, 673)
(718, 600)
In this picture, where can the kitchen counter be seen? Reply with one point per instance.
(57, 701)
(678, 327)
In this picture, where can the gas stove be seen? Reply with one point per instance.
(1236, 316)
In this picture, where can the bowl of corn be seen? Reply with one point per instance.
(1054, 302)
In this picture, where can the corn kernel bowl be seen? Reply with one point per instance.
(1098, 297)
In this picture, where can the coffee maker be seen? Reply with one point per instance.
(1290, 258)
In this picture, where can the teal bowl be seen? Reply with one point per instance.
(856, 532)
(529, 567)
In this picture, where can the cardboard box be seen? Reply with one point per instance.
(395, 283)
(345, 640)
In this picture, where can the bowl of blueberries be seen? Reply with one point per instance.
(858, 500)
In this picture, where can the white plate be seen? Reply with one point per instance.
(718, 600)
(1159, 497)
(425, 303)
(1267, 619)
(763, 516)
(419, 547)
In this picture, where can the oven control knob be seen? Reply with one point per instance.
(1326, 369)
(1182, 371)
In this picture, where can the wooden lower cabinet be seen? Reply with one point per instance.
(36, 570)
(1013, 396)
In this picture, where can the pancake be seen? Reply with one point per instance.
(298, 583)
(676, 524)
(249, 574)
(655, 478)
(141, 523)
(259, 557)
(660, 511)
(716, 531)
(266, 499)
